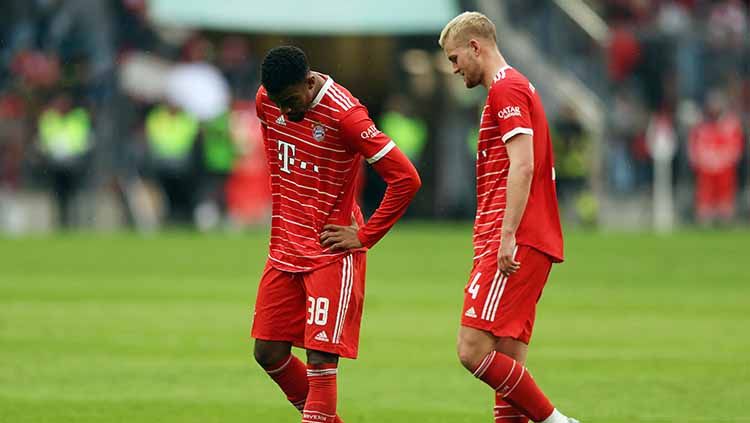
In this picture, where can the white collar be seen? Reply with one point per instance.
(501, 73)
(322, 91)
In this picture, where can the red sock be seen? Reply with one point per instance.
(515, 385)
(291, 376)
(506, 413)
(321, 399)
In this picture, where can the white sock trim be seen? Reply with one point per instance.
(555, 417)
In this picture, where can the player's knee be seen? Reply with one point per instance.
(319, 357)
(469, 355)
(267, 354)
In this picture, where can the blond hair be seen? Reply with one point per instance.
(466, 26)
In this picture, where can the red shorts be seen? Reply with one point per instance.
(319, 310)
(506, 306)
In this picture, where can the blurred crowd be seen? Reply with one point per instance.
(97, 98)
(680, 75)
(675, 77)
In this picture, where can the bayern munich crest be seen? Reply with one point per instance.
(318, 132)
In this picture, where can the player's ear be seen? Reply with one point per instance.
(310, 79)
(475, 46)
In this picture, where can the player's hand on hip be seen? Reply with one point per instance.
(340, 238)
(506, 263)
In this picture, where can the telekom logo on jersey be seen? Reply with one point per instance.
(287, 157)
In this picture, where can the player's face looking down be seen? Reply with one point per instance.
(465, 60)
(295, 99)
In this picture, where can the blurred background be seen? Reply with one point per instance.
(125, 118)
(140, 114)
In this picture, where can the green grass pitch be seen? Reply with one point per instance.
(122, 328)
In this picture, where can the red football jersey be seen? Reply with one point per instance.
(314, 165)
(513, 107)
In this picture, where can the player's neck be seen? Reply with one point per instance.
(319, 82)
(494, 64)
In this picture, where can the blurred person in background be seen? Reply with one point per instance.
(218, 154)
(172, 135)
(715, 150)
(247, 189)
(13, 134)
(400, 123)
(517, 222)
(65, 138)
(572, 147)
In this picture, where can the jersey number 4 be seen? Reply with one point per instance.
(474, 286)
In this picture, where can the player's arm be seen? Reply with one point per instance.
(510, 105)
(520, 173)
(396, 170)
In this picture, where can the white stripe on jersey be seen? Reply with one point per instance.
(481, 255)
(492, 191)
(488, 128)
(490, 212)
(493, 311)
(340, 94)
(294, 212)
(329, 108)
(321, 93)
(306, 187)
(513, 132)
(278, 194)
(383, 151)
(271, 152)
(310, 206)
(490, 139)
(347, 294)
(484, 175)
(300, 268)
(495, 161)
(273, 228)
(269, 104)
(345, 281)
(306, 142)
(302, 130)
(328, 179)
(293, 222)
(336, 100)
(278, 184)
(490, 295)
(303, 255)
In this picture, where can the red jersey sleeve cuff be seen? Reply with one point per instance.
(364, 239)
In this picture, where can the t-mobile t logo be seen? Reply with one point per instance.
(286, 155)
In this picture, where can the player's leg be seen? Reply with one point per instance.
(335, 296)
(278, 323)
(500, 307)
(726, 195)
(517, 350)
(322, 370)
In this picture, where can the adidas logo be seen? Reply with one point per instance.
(471, 313)
(281, 121)
(322, 337)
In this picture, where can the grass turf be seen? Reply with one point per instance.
(121, 328)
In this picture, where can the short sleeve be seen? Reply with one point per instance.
(511, 109)
(361, 135)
